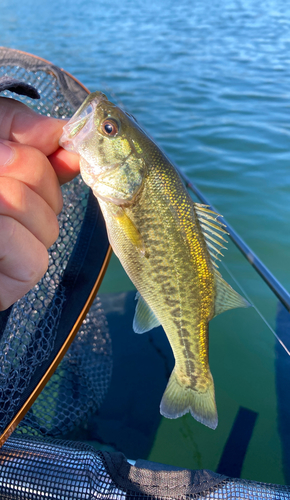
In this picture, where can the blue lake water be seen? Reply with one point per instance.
(210, 81)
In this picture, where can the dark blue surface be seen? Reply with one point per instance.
(235, 449)
(129, 417)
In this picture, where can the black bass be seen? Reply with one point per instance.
(166, 243)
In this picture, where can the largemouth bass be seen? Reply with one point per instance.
(166, 243)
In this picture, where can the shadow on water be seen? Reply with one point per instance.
(282, 387)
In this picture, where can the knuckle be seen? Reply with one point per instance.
(12, 195)
(32, 168)
(7, 230)
(40, 164)
(22, 255)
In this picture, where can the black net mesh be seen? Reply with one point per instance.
(77, 388)
(51, 103)
(34, 329)
(68, 471)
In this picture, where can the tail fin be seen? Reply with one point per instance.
(179, 399)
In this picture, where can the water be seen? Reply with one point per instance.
(210, 81)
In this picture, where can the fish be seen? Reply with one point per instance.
(167, 244)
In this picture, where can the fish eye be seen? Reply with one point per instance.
(110, 127)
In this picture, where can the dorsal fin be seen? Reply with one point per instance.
(213, 230)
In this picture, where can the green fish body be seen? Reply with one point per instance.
(165, 242)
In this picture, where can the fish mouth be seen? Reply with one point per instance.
(81, 124)
(78, 127)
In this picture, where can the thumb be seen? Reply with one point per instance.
(21, 124)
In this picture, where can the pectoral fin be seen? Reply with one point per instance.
(144, 319)
(226, 296)
(130, 230)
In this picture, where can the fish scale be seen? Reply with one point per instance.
(156, 284)
(164, 242)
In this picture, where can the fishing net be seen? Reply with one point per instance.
(34, 463)
(33, 331)
(68, 471)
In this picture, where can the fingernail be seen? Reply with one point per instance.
(6, 154)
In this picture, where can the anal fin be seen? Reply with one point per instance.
(144, 319)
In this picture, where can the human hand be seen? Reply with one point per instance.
(32, 167)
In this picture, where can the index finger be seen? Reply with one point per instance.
(65, 164)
